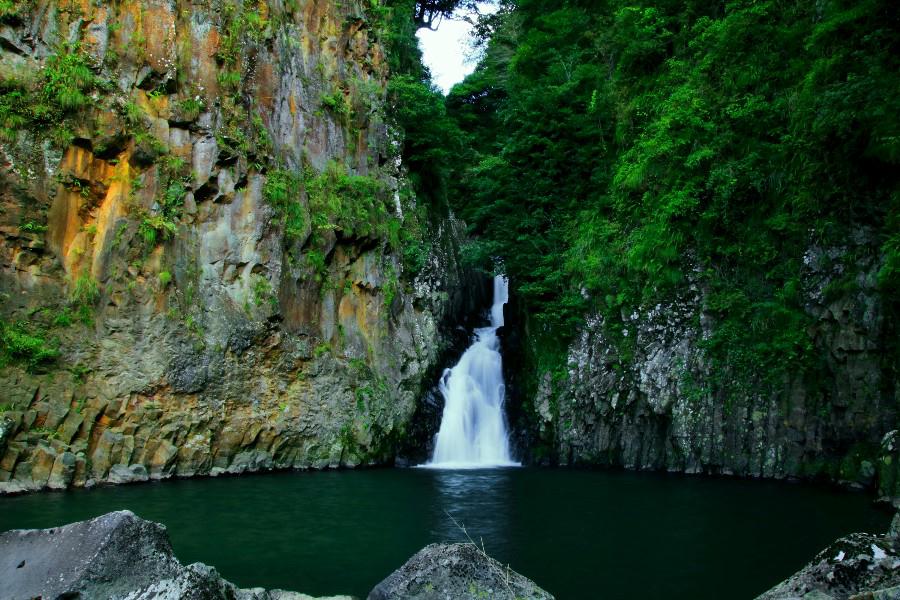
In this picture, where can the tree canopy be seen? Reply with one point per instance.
(616, 153)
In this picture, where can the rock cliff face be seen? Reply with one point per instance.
(666, 406)
(210, 259)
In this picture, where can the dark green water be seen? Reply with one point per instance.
(579, 534)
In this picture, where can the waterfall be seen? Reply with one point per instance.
(473, 426)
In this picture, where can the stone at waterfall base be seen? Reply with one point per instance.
(457, 571)
(118, 556)
(860, 566)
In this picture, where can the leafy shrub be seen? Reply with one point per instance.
(282, 191)
(353, 204)
(48, 99)
(67, 80)
(432, 141)
(337, 103)
(85, 290)
(19, 342)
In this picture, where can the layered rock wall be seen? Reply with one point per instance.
(666, 405)
(210, 259)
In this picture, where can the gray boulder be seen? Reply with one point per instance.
(457, 571)
(860, 566)
(118, 556)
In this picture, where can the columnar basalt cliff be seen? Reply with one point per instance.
(650, 396)
(211, 261)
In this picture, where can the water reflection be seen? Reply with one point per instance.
(342, 531)
(477, 500)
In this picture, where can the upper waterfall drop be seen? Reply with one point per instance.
(473, 427)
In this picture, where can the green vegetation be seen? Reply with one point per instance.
(14, 10)
(242, 30)
(62, 318)
(74, 184)
(338, 104)
(390, 287)
(32, 227)
(190, 107)
(608, 156)
(263, 292)
(50, 97)
(432, 142)
(342, 204)
(26, 343)
(163, 223)
(79, 374)
(67, 81)
(354, 205)
(83, 296)
(282, 191)
(85, 290)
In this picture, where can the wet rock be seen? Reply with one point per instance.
(6, 428)
(860, 566)
(456, 571)
(888, 468)
(205, 152)
(117, 556)
(894, 531)
(664, 404)
(97, 558)
(892, 593)
(62, 472)
(127, 474)
(42, 460)
(14, 487)
(250, 461)
(161, 463)
(106, 452)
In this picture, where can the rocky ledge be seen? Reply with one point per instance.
(116, 556)
(860, 566)
(441, 571)
(120, 556)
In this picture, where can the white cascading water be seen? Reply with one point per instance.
(473, 427)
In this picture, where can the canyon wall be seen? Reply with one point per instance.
(661, 403)
(211, 261)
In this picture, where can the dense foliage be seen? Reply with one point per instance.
(49, 99)
(431, 140)
(618, 152)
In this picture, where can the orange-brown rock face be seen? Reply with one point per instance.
(190, 280)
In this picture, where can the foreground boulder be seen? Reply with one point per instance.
(860, 566)
(116, 556)
(457, 571)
